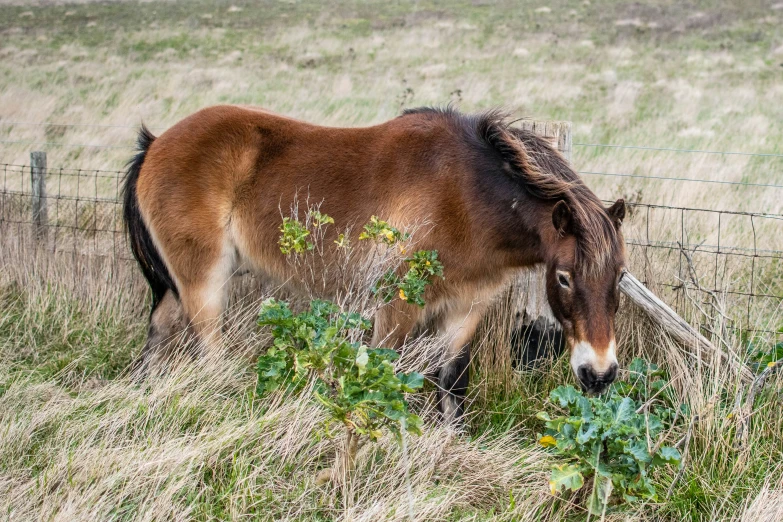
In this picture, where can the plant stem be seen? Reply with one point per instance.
(406, 465)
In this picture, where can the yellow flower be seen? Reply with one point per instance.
(428, 263)
(771, 364)
(402, 295)
(547, 441)
(402, 249)
(341, 241)
(552, 487)
(389, 234)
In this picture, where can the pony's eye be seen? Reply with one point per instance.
(564, 279)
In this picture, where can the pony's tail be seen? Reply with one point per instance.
(142, 246)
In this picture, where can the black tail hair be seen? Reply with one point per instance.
(142, 246)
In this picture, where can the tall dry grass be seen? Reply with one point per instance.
(86, 441)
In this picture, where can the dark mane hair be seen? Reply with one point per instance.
(545, 175)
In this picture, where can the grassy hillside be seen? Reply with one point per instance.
(703, 75)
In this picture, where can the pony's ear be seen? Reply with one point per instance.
(562, 218)
(617, 211)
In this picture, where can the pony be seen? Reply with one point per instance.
(202, 201)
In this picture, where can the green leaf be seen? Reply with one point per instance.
(638, 449)
(410, 382)
(654, 424)
(599, 497)
(667, 455)
(638, 366)
(544, 416)
(565, 395)
(362, 358)
(585, 408)
(587, 432)
(624, 411)
(565, 476)
(413, 424)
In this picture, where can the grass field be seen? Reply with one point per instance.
(79, 440)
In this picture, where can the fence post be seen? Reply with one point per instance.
(558, 132)
(38, 180)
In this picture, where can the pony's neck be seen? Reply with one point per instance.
(535, 238)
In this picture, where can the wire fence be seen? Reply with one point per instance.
(705, 256)
(688, 253)
(83, 211)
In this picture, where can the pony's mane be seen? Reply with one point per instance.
(546, 175)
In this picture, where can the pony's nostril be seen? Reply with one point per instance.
(587, 376)
(610, 374)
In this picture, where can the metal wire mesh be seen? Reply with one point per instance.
(680, 251)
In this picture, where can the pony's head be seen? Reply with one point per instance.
(577, 237)
(584, 269)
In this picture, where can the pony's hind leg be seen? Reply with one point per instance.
(167, 329)
(453, 381)
(204, 300)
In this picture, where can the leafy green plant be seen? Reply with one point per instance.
(357, 385)
(423, 265)
(319, 219)
(294, 237)
(615, 439)
(379, 230)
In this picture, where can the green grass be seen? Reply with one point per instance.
(57, 336)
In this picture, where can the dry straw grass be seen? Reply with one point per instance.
(192, 443)
(180, 443)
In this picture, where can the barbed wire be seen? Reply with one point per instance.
(79, 145)
(697, 209)
(672, 149)
(694, 180)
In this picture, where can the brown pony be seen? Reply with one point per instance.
(203, 201)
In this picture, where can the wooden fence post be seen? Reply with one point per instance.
(558, 132)
(38, 180)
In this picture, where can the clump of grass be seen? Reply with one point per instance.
(55, 335)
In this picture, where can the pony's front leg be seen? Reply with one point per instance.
(457, 328)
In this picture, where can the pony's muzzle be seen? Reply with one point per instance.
(595, 370)
(595, 382)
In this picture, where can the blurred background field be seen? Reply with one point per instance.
(674, 106)
(666, 74)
